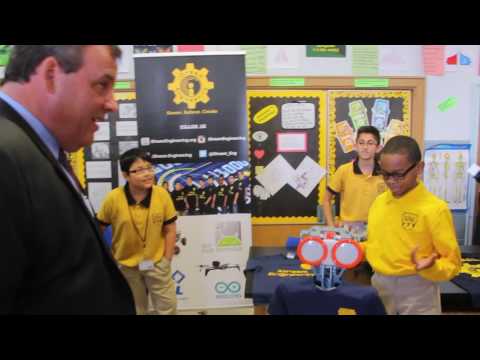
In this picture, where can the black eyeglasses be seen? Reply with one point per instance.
(397, 176)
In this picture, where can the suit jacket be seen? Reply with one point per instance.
(53, 259)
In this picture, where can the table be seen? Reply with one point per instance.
(453, 297)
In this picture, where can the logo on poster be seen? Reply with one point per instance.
(178, 277)
(227, 288)
(190, 86)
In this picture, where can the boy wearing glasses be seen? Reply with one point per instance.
(358, 183)
(143, 218)
(411, 242)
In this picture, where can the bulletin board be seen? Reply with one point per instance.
(406, 96)
(287, 132)
(389, 111)
(108, 144)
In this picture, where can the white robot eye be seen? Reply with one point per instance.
(347, 254)
(312, 250)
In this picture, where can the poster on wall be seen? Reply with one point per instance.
(348, 110)
(211, 254)
(287, 154)
(326, 50)
(445, 173)
(191, 108)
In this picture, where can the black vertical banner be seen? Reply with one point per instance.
(192, 107)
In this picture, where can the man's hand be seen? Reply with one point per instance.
(424, 263)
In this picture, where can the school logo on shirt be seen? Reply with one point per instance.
(157, 218)
(409, 220)
(346, 311)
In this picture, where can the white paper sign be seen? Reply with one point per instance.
(298, 116)
(283, 57)
(125, 63)
(100, 150)
(127, 128)
(99, 169)
(400, 60)
(97, 192)
(291, 142)
(307, 176)
(127, 111)
(103, 132)
(126, 145)
(276, 175)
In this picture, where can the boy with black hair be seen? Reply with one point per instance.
(358, 182)
(210, 202)
(142, 216)
(411, 242)
(191, 196)
(220, 196)
(204, 197)
(165, 185)
(179, 198)
(232, 194)
(242, 186)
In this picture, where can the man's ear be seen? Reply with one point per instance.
(125, 175)
(48, 72)
(379, 148)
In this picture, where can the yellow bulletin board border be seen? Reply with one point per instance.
(322, 113)
(77, 159)
(336, 94)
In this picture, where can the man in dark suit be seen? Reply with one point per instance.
(53, 258)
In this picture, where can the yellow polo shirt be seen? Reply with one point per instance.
(137, 228)
(357, 190)
(397, 225)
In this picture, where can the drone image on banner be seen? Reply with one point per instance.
(216, 265)
(330, 251)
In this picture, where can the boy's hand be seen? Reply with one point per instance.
(425, 263)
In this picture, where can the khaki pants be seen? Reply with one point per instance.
(156, 282)
(408, 295)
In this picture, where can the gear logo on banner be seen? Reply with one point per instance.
(190, 86)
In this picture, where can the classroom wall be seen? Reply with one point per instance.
(438, 126)
(457, 125)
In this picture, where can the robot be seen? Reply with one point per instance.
(330, 251)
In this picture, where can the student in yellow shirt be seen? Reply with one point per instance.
(143, 218)
(411, 242)
(358, 183)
